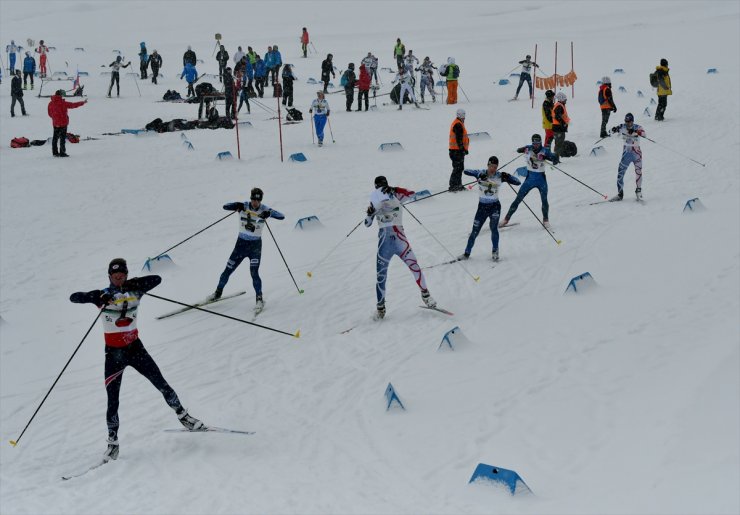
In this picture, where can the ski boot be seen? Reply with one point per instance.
(111, 453)
(504, 223)
(380, 312)
(259, 305)
(638, 193)
(616, 198)
(428, 299)
(463, 257)
(546, 223)
(190, 423)
(215, 295)
(494, 255)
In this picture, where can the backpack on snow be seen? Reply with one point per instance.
(569, 149)
(654, 79)
(19, 143)
(73, 138)
(294, 115)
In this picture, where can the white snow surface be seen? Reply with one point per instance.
(624, 399)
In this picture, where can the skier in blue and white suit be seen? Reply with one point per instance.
(489, 207)
(320, 111)
(252, 216)
(631, 153)
(535, 155)
(385, 205)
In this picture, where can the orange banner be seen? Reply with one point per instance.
(556, 81)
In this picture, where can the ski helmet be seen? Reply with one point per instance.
(536, 138)
(256, 194)
(549, 93)
(381, 181)
(529, 56)
(606, 80)
(460, 113)
(493, 160)
(117, 265)
(560, 97)
(629, 118)
(119, 58)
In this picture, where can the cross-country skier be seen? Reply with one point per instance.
(405, 79)
(119, 303)
(631, 153)
(385, 205)
(42, 50)
(535, 155)
(12, 49)
(427, 78)
(526, 75)
(489, 206)
(606, 103)
(320, 110)
(252, 217)
(115, 76)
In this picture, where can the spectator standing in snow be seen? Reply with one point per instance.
(363, 87)
(191, 76)
(386, 206)
(238, 55)
(489, 206)
(16, 94)
(155, 61)
(29, 68)
(450, 72)
(547, 106)
(320, 111)
(399, 50)
(229, 94)
(260, 76)
(57, 110)
(223, 60)
(348, 81)
(560, 122)
(143, 60)
(606, 103)
(189, 57)
(115, 76)
(304, 42)
(288, 79)
(664, 88)
(459, 143)
(119, 303)
(277, 62)
(327, 68)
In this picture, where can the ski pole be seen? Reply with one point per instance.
(15, 442)
(674, 151)
(310, 274)
(466, 184)
(330, 131)
(600, 140)
(463, 92)
(137, 85)
(194, 235)
(281, 255)
(297, 334)
(476, 278)
(578, 181)
(536, 217)
(313, 140)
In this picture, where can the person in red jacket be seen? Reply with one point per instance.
(363, 85)
(59, 119)
(304, 42)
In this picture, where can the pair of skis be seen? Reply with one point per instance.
(209, 429)
(200, 304)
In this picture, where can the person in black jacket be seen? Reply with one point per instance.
(349, 85)
(119, 304)
(189, 57)
(155, 61)
(229, 93)
(223, 59)
(288, 79)
(327, 68)
(16, 93)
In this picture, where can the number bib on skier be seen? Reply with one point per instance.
(488, 188)
(119, 320)
(250, 224)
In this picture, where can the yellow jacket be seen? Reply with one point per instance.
(664, 81)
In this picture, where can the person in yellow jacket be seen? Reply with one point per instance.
(450, 72)
(398, 52)
(664, 88)
(459, 143)
(547, 106)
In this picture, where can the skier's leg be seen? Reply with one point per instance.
(235, 259)
(254, 253)
(480, 216)
(115, 364)
(494, 212)
(623, 164)
(542, 187)
(143, 363)
(637, 161)
(523, 190)
(404, 251)
(521, 83)
(385, 253)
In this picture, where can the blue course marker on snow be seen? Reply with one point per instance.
(298, 157)
(580, 283)
(712, 70)
(502, 82)
(308, 222)
(390, 396)
(224, 155)
(509, 478)
(449, 338)
(693, 205)
(618, 70)
(393, 146)
(598, 151)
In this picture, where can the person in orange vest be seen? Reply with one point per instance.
(606, 103)
(459, 143)
(560, 121)
(547, 106)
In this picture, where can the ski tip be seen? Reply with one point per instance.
(13, 443)
(309, 274)
(606, 197)
(559, 241)
(476, 278)
(297, 333)
(300, 291)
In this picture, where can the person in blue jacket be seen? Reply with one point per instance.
(489, 206)
(252, 219)
(249, 72)
(191, 75)
(143, 60)
(535, 154)
(269, 61)
(277, 62)
(29, 69)
(260, 76)
(12, 49)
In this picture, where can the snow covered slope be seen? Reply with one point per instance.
(625, 399)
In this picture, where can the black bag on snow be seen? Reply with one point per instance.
(204, 88)
(569, 149)
(395, 92)
(294, 115)
(155, 125)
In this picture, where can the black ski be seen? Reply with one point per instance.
(199, 304)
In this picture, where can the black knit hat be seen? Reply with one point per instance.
(256, 194)
(664, 62)
(117, 265)
(493, 160)
(381, 181)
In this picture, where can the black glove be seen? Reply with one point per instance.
(615, 130)
(370, 210)
(483, 177)
(555, 159)
(240, 207)
(105, 297)
(521, 150)
(266, 214)
(614, 109)
(466, 152)
(388, 190)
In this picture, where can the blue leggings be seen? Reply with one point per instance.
(634, 157)
(522, 77)
(392, 242)
(533, 180)
(251, 249)
(320, 121)
(485, 211)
